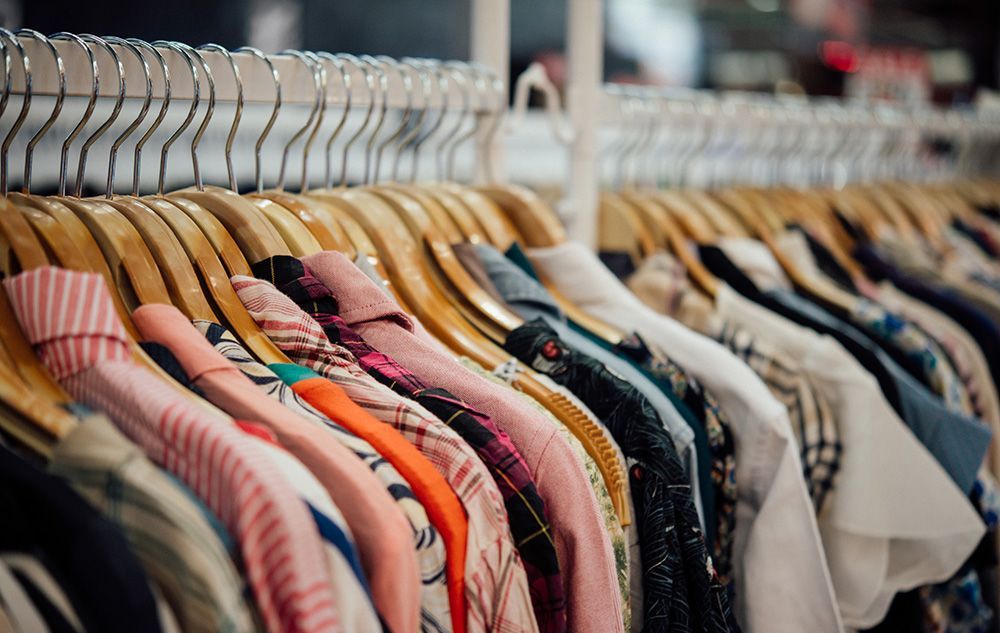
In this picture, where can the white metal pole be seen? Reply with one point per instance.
(585, 60)
(490, 44)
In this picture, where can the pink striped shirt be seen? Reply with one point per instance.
(71, 322)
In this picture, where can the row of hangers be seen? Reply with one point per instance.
(181, 247)
(651, 210)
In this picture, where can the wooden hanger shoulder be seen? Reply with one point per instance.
(215, 278)
(292, 230)
(536, 221)
(254, 234)
(225, 246)
(182, 283)
(500, 231)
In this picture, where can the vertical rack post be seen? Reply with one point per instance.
(490, 44)
(585, 60)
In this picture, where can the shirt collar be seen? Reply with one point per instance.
(580, 275)
(359, 297)
(69, 310)
(295, 280)
(513, 284)
(167, 326)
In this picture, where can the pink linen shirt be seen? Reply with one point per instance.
(71, 321)
(582, 544)
(379, 527)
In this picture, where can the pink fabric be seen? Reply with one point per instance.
(381, 530)
(582, 544)
(70, 320)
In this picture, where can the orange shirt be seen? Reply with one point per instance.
(432, 490)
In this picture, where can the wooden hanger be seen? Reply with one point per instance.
(721, 218)
(674, 240)
(536, 222)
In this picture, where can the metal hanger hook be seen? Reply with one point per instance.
(407, 82)
(237, 116)
(137, 155)
(444, 89)
(321, 99)
(81, 168)
(276, 78)
(56, 109)
(314, 70)
(383, 94)
(195, 100)
(463, 88)
(345, 82)
(25, 105)
(370, 81)
(147, 100)
(200, 132)
(95, 78)
(426, 87)
(480, 87)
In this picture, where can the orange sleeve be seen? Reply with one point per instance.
(443, 507)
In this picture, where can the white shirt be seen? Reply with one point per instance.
(894, 520)
(783, 583)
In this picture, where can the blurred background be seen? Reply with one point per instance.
(911, 50)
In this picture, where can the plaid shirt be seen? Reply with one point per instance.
(165, 525)
(525, 508)
(720, 446)
(681, 591)
(812, 417)
(496, 587)
(435, 612)
(71, 321)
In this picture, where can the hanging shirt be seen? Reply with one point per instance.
(45, 518)
(680, 590)
(496, 586)
(525, 510)
(70, 320)
(584, 551)
(169, 534)
(435, 612)
(777, 542)
(530, 300)
(382, 534)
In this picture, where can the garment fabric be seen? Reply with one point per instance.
(582, 545)
(435, 610)
(958, 442)
(624, 540)
(681, 592)
(71, 322)
(88, 554)
(525, 509)
(496, 586)
(169, 534)
(380, 528)
(779, 564)
(530, 300)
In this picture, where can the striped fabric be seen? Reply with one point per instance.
(525, 508)
(168, 532)
(435, 610)
(812, 417)
(496, 586)
(70, 319)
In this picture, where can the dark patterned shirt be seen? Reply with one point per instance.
(682, 591)
(529, 524)
(720, 445)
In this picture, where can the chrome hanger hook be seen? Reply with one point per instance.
(312, 67)
(345, 79)
(25, 106)
(147, 100)
(195, 100)
(200, 132)
(444, 88)
(407, 112)
(367, 68)
(500, 110)
(29, 149)
(137, 155)
(480, 86)
(321, 99)
(81, 168)
(238, 80)
(383, 92)
(426, 87)
(463, 88)
(258, 174)
(95, 79)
